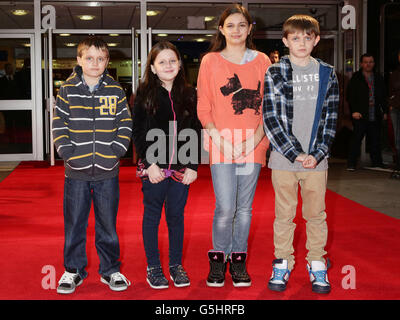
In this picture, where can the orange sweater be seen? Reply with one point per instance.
(230, 96)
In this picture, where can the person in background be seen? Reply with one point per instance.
(367, 100)
(274, 56)
(394, 108)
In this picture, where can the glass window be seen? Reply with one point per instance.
(182, 16)
(65, 52)
(96, 15)
(14, 15)
(271, 17)
(15, 74)
(15, 131)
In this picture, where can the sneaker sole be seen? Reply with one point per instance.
(158, 287)
(63, 291)
(276, 287)
(320, 289)
(113, 288)
(241, 284)
(215, 285)
(179, 285)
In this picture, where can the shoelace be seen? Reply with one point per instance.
(217, 268)
(117, 276)
(180, 273)
(240, 269)
(156, 274)
(279, 274)
(320, 276)
(67, 277)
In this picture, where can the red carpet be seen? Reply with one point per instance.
(31, 229)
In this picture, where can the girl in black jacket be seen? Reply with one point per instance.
(164, 117)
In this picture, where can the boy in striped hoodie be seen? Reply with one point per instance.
(91, 129)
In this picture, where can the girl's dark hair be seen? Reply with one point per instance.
(148, 88)
(218, 42)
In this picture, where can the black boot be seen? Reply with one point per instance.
(237, 269)
(216, 276)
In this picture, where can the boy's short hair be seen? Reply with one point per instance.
(301, 22)
(95, 41)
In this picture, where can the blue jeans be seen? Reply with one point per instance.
(234, 188)
(78, 196)
(174, 195)
(395, 115)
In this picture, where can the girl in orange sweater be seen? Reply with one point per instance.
(230, 91)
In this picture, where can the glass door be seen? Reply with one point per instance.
(61, 56)
(191, 44)
(17, 95)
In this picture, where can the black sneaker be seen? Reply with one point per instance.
(237, 269)
(156, 278)
(216, 276)
(68, 282)
(178, 276)
(116, 281)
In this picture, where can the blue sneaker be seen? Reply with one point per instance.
(156, 278)
(318, 272)
(280, 275)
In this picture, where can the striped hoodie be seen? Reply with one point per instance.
(91, 131)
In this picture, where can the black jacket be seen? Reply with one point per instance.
(160, 131)
(358, 95)
(394, 89)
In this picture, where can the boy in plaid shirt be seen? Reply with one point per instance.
(300, 110)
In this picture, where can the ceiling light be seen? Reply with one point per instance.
(112, 44)
(152, 13)
(70, 44)
(113, 34)
(209, 35)
(162, 34)
(200, 40)
(19, 12)
(26, 45)
(65, 34)
(209, 18)
(94, 4)
(86, 17)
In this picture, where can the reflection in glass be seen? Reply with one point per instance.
(272, 16)
(15, 69)
(15, 131)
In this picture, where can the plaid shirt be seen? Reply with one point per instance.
(278, 111)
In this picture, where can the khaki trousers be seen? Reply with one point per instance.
(313, 187)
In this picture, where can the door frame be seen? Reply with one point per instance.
(31, 104)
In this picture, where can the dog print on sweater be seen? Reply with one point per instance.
(242, 98)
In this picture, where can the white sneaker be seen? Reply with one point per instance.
(68, 282)
(280, 275)
(116, 281)
(318, 272)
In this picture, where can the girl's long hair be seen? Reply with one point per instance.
(149, 86)
(218, 43)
